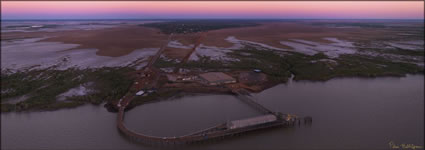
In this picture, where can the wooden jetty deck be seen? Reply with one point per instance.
(215, 132)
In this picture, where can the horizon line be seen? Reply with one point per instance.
(213, 19)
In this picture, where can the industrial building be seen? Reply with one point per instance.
(216, 78)
(251, 121)
(180, 78)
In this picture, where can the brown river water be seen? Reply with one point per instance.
(348, 113)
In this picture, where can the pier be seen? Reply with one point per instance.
(244, 95)
(216, 132)
(228, 129)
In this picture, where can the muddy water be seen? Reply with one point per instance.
(347, 113)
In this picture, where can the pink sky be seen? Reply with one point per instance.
(212, 9)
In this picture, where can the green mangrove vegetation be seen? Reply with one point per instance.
(42, 87)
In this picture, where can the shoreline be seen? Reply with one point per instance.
(184, 93)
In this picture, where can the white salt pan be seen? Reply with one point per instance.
(332, 50)
(177, 44)
(47, 54)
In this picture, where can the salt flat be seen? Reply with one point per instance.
(31, 53)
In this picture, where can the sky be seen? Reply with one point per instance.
(212, 9)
